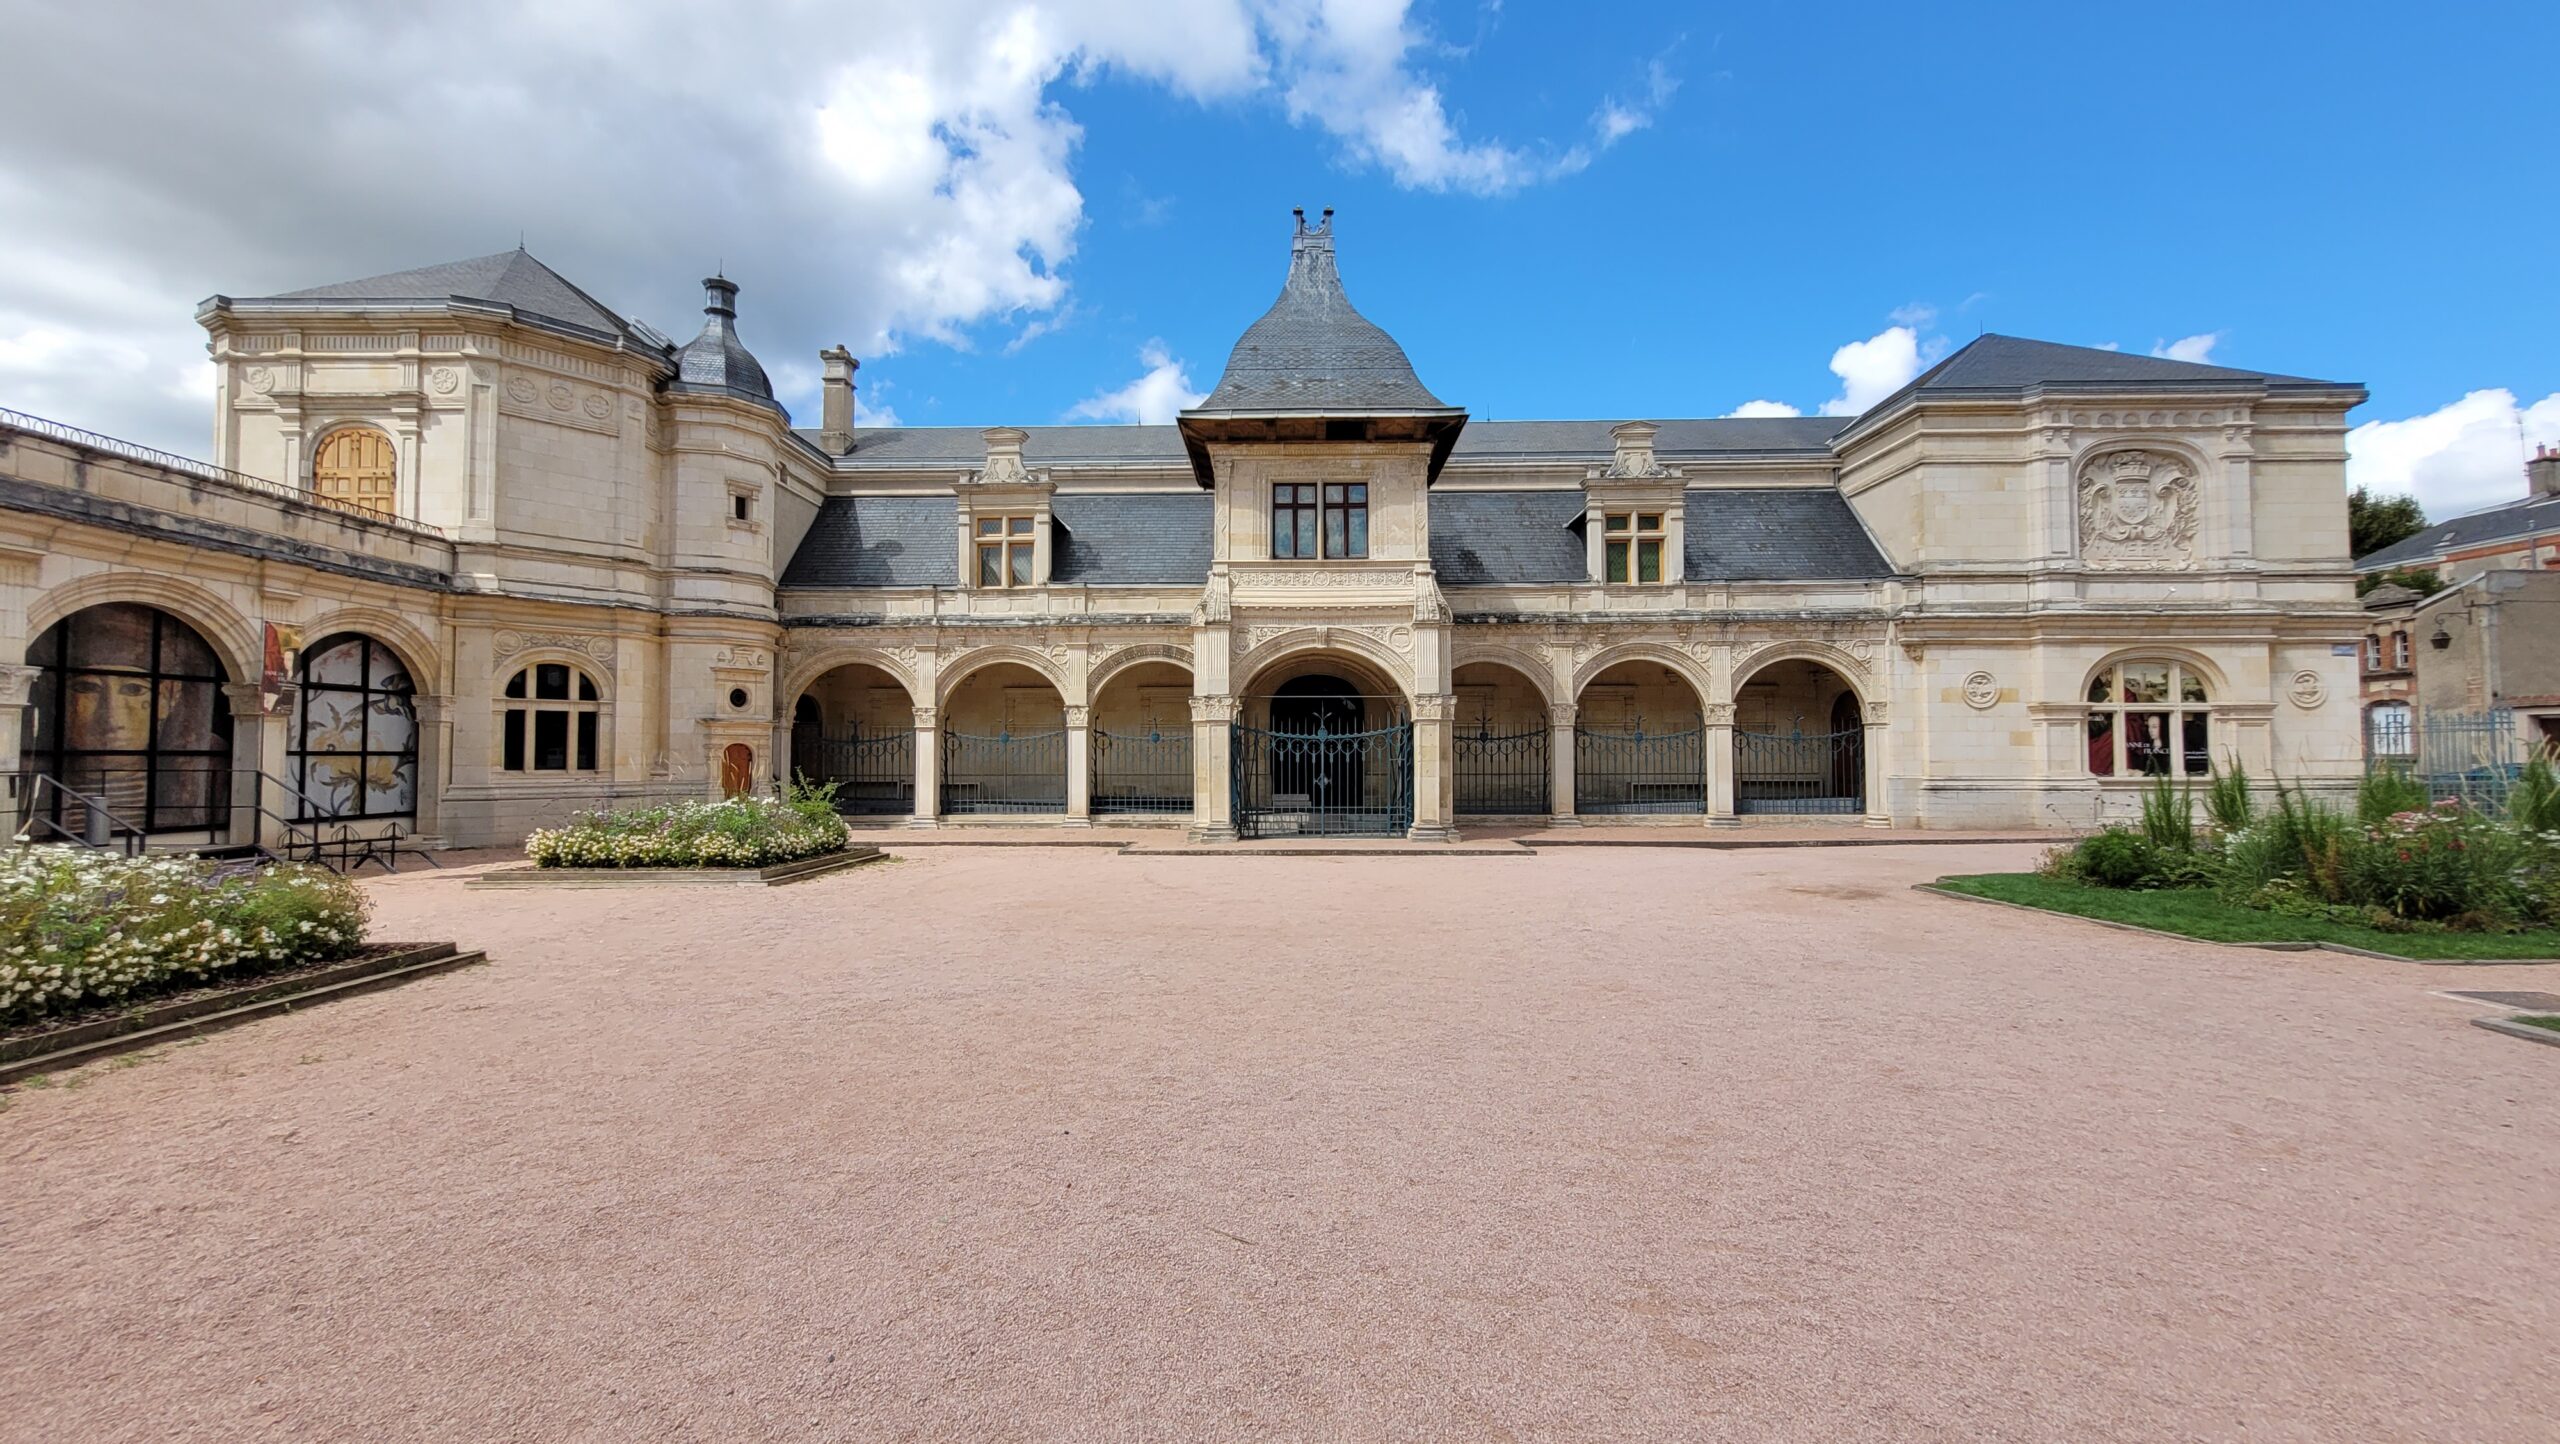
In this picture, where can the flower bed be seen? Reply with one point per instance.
(79, 928)
(736, 832)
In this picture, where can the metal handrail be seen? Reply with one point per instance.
(91, 807)
(207, 471)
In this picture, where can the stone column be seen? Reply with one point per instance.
(1878, 738)
(928, 769)
(1079, 768)
(260, 734)
(1560, 760)
(1212, 749)
(1719, 742)
(16, 683)
(1434, 786)
(435, 741)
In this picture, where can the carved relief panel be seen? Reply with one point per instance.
(2138, 511)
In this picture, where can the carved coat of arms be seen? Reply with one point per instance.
(2138, 512)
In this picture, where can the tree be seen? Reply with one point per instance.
(2425, 581)
(2375, 522)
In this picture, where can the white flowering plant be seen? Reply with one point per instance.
(733, 832)
(80, 928)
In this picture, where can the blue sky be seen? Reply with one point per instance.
(1036, 212)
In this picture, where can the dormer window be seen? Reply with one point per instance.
(1007, 550)
(1633, 550)
(1310, 521)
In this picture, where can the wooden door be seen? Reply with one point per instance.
(737, 770)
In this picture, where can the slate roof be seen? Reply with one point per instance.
(1777, 535)
(717, 361)
(1131, 538)
(509, 278)
(964, 448)
(1313, 352)
(2481, 528)
(879, 541)
(1487, 538)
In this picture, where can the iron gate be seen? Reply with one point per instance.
(1322, 783)
(1008, 772)
(874, 774)
(1499, 775)
(1634, 772)
(1142, 772)
(1800, 772)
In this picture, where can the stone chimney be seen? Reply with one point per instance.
(2542, 474)
(835, 413)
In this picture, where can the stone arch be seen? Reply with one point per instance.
(806, 671)
(579, 662)
(1396, 671)
(1840, 660)
(233, 637)
(955, 672)
(424, 658)
(2217, 682)
(1681, 663)
(1534, 670)
(1141, 655)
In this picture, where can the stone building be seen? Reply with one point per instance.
(475, 551)
(2467, 677)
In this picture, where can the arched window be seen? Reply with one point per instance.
(355, 741)
(127, 708)
(2149, 717)
(550, 723)
(354, 468)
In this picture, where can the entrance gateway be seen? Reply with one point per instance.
(1331, 764)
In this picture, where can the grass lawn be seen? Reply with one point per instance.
(2539, 1020)
(2197, 913)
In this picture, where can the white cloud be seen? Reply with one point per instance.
(1919, 315)
(2188, 348)
(1152, 399)
(2460, 457)
(904, 172)
(1875, 368)
(1765, 408)
(1619, 118)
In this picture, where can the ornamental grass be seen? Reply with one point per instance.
(80, 928)
(733, 832)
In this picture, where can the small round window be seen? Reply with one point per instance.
(738, 698)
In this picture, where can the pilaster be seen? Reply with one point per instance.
(1560, 760)
(1719, 740)
(928, 811)
(1212, 785)
(1079, 767)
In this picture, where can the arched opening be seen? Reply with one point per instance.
(551, 719)
(1498, 758)
(1639, 743)
(855, 727)
(354, 468)
(737, 770)
(354, 749)
(127, 712)
(1799, 742)
(2150, 717)
(1141, 742)
(1324, 748)
(1004, 743)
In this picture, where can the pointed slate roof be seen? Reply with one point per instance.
(1312, 351)
(508, 278)
(1996, 362)
(716, 360)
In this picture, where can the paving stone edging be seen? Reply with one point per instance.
(2275, 947)
(2514, 1029)
(778, 875)
(154, 1024)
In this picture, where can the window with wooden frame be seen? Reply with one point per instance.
(354, 467)
(1311, 521)
(2400, 650)
(551, 720)
(1007, 551)
(2373, 654)
(2149, 718)
(1632, 546)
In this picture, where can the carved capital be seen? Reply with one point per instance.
(248, 699)
(926, 719)
(1213, 709)
(1076, 714)
(1875, 713)
(1561, 714)
(16, 682)
(1719, 714)
(1435, 707)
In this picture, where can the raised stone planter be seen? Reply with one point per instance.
(774, 876)
(147, 1025)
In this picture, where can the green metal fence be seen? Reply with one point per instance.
(1499, 774)
(1322, 783)
(1800, 772)
(1142, 773)
(874, 773)
(1009, 772)
(1639, 771)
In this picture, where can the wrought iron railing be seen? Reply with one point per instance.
(1009, 772)
(1322, 783)
(206, 471)
(874, 773)
(1503, 774)
(2472, 757)
(1638, 772)
(1142, 773)
(1800, 772)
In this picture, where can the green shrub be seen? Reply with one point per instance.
(2169, 816)
(79, 927)
(2114, 856)
(734, 832)
(2534, 805)
(2446, 863)
(2227, 802)
(2386, 791)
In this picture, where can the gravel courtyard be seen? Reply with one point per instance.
(994, 1143)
